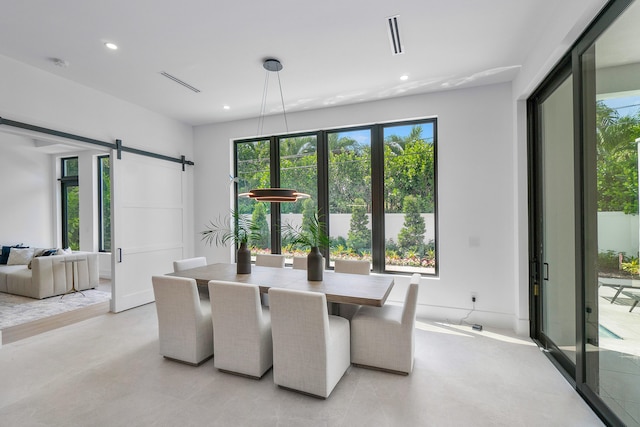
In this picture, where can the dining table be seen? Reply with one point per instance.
(339, 288)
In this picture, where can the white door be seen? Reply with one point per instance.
(148, 223)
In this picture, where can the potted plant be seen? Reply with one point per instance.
(311, 234)
(235, 228)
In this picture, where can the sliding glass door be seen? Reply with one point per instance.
(553, 218)
(584, 222)
(610, 116)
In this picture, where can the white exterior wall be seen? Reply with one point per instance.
(618, 232)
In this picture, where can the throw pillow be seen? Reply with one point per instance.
(64, 251)
(4, 256)
(42, 252)
(20, 256)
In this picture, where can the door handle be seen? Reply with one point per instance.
(119, 254)
(545, 273)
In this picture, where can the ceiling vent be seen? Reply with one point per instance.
(177, 80)
(394, 35)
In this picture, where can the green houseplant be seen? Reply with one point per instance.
(311, 234)
(236, 228)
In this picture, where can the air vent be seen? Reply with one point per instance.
(394, 35)
(177, 80)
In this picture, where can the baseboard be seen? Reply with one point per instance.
(460, 315)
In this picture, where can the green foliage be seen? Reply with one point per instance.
(310, 234)
(359, 236)
(409, 170)
(106, 201)
(235, 228)
(617, 160)
(73, 217)
(349, 172)
(260, 238)
(631, 266)
(608, 261)
(411, 237)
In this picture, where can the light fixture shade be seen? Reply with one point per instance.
(275, 195)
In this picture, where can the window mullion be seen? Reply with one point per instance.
(377, 199)
(276, 218)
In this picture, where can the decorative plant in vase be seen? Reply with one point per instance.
(236, 228)
(311, 234)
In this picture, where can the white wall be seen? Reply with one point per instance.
(27, 203)
(571, 18)
(475, 191)
(33, 96)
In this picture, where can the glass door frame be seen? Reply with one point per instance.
(584, 151)
(556, 78)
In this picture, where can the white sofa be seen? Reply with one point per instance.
(50, 276)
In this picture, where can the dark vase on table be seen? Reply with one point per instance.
(315, 264)
(243, 259)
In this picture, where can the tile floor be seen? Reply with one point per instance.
(106, 371)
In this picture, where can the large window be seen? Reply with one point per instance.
(350, 194)
(70, 203)
(104, 203)
(373, 186)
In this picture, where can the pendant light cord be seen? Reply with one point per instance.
(284, 112)
(263, 107)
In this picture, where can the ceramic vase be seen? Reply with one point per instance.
(315, 265)
(243, 259)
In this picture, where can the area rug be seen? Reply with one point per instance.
(16, 310)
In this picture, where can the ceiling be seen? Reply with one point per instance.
(334, 52)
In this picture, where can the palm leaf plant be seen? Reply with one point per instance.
(310, 234)
(234, 227)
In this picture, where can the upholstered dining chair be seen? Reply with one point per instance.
(242, 328)
(384, 337)
(184, 322)
(300, 262)
(185, 264)
(310, 347)
(350, 266)
(270, 260)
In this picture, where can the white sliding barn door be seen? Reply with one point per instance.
(148, 223)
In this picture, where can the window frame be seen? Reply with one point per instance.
(101, 230)
(66, 182)
(378, 234)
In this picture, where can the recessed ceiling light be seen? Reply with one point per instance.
(404, 77)
(111, 46)
(226, 107)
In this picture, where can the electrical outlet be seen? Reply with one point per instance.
(474, 297)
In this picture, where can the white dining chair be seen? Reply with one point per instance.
(242, 328)
(184, 322)
(300, 262)
(187, 263)
(270, 260)
(384, 337)
(350, 266)
(310, 347)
